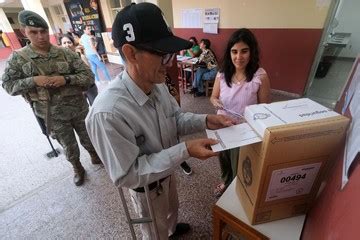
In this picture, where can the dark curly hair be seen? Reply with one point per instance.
(246, 36)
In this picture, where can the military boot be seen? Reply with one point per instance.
(95, 158)
(79, 174)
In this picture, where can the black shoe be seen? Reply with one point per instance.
(186, 168)
(181, 229)
(79, 177)
(199, 94)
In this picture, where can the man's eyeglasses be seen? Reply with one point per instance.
(165, 57)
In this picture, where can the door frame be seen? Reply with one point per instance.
(334, 5)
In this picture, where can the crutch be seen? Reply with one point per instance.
(144, 220)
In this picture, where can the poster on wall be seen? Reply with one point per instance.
(85, 12)
(211, 20)
(191, 18)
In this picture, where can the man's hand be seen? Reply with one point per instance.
(41, 81)
(219, 121)
(200, 148)
(49, 82)
(56, 81)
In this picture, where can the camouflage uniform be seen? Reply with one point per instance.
(67, 107)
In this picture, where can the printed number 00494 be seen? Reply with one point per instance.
(293, 178)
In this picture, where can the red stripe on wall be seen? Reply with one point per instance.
(286, 54)
(14, 42)
(5, 53)
(53, 39)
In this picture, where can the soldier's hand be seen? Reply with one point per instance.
(56, 81)
(41, 81)
(200, 148)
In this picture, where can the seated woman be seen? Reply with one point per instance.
(194, 51)
(207, 68)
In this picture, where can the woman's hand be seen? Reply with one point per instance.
(214, 121)
(217, 103)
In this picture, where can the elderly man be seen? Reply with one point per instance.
(52, 79)
(134, 124)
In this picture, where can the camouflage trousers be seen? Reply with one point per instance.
(64, 132)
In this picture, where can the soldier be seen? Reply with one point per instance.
(52, 79)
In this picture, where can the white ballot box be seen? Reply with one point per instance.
(280, 175)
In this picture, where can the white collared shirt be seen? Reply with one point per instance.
(136, 135)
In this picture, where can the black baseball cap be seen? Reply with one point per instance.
(144, 24)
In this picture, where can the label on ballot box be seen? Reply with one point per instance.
(290, 182)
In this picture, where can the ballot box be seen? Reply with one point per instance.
(280, 176)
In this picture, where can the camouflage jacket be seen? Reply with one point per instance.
(66, 101)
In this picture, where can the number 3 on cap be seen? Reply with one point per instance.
(130, 31)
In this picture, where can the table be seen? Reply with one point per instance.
(186, 64)
(229, 216)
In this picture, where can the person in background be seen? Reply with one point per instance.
(93, 6)
(239, 83)
(100, 47)
(87, 41)
(52, 80)
(194, 51)
(207, 68)
(135, 122)
(68, 42)
(76, 38)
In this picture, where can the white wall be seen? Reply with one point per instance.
(349, 20)
(14, 16)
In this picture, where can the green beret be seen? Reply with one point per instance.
(32, 19)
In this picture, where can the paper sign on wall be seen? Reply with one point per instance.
(191, 18)
(211, 20)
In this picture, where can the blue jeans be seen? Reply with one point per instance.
(95, 63)
(201, 75)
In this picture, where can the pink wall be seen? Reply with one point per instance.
(286, 54)
(14, 42)
(336, 213)
(53, 39)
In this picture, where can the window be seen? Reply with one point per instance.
(11, 20)
(116, 5)
(58, 10)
